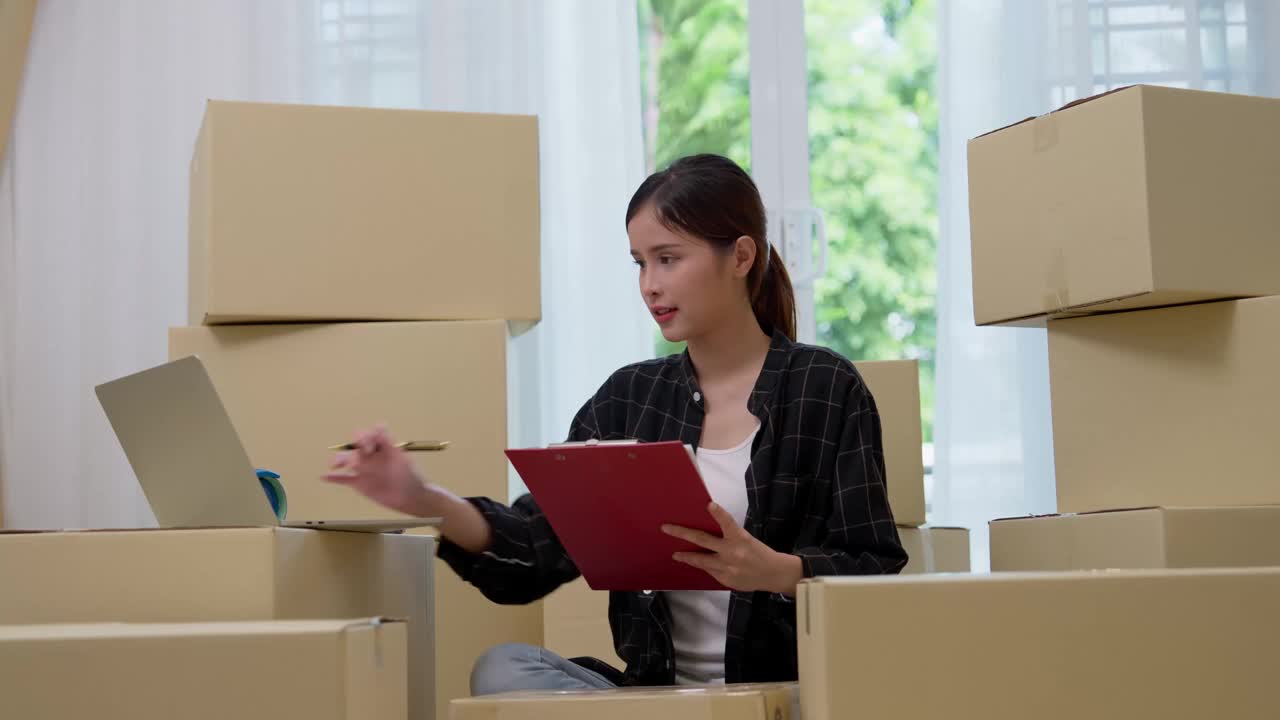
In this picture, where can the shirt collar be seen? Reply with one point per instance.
(774, 361)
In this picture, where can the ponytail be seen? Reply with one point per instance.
(773, 300)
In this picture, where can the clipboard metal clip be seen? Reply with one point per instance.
(593, 442)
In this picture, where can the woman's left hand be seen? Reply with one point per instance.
(738, 560)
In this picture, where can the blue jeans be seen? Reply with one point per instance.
(515, 666)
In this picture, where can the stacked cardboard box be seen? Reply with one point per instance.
(350, 266)
(318, 669)
(895, 385)
(1051, 646)
(210, 575)
(1107, 209)
(1168, 537)
(1139, 198)
(1137, 226)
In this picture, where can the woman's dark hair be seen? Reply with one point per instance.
(710, 198)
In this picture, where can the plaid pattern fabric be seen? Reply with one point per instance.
(815, 489)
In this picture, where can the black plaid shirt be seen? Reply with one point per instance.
(815, 488)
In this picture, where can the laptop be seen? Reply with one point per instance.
(188, 457)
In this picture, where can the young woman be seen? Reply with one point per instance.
(787, 439)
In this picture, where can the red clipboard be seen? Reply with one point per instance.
(607, 504)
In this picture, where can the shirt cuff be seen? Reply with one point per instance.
(468, 564)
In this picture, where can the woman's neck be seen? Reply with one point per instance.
(733, 349)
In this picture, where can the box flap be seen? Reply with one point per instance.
(1023, 517)
(1200, 508)
(55, 531)
(1138, 508)
(1071, 104)
(1068, 515)
(62, 631)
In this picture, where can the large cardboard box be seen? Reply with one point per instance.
(575, 622)
(1051, 646)
(722, 702)
(1169, 537)
(1143, 197)
(1167, 407)
(895, 385)
(935, 549)
(575, 618)
(317, 669)
(294, 390)
(16, 17)
(225, 574)
(308, 213)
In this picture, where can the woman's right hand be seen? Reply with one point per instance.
(383, 473)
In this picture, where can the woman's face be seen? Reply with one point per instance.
(689, 286)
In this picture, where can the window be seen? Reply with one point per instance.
(828, 103)
(1198, 43)
(695, 87)
(873, 169)
(370, 52)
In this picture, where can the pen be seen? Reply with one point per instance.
(409, 446)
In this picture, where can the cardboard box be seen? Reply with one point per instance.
(1168, 407)
(1142, 197)
(226, 574)
(935, 549)
(717, 702)
(470, 625)
(294, 390)
(1050, 646)
(307, 213)
(318, 669)
(895, 385)
(1143, 538)
(575, 623)
(16, 18)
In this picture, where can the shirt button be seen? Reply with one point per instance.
(697, 397)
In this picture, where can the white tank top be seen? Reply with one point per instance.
(700, 618)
